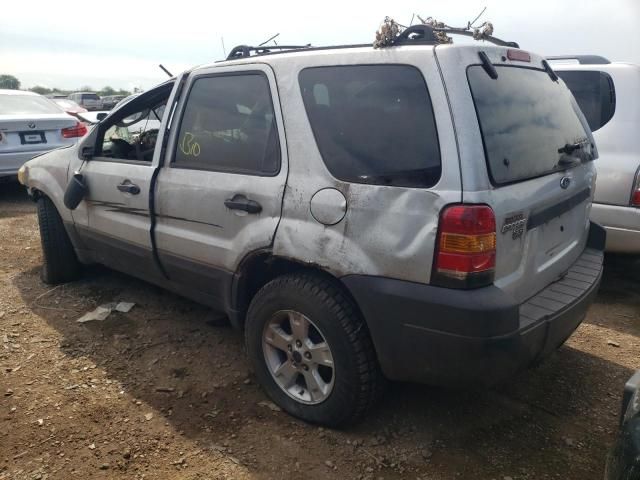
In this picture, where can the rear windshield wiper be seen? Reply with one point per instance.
(568, 159)
(569, 148)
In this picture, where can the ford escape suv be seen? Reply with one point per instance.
(418, 212)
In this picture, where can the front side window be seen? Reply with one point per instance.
(132, 133)
(594, 93)
(229, 125)
(373, 123)
(529, 123)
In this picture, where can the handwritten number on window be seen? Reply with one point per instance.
(189, 146)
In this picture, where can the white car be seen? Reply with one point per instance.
(609, 96)
(31, 124)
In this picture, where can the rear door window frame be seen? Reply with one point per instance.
(184, 103)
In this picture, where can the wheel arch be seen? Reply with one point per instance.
(259, 268)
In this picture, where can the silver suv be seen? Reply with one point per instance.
(609, 96)
(418, 212)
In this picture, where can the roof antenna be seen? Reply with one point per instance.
(224, 50)
(269, 39)
(165, 70)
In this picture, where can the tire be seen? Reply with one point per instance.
(355, 381)
(60, 263)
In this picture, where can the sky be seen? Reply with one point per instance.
(120, 43)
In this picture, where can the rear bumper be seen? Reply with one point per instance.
(477, 337)
(10, 163)
(622, 225)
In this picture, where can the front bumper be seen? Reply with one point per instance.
(476, 337)
(622, 225)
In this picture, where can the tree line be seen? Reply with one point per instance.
(12, 83)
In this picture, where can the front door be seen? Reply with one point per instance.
(114, 220)
(219, 196)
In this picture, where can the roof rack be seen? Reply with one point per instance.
(424, 35)
(244, 51)
(583, 59)
(414, 35)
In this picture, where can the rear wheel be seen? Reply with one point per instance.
(311, 351)
(60, 263)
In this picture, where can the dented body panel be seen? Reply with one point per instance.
(388, 231)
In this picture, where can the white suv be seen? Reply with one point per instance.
(418, 212)
(609, 96)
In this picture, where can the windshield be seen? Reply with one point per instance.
(530, 125)
(26, 105)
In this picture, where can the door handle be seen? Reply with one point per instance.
(240, 202)
(128, 187)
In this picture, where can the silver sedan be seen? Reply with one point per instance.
(31, 124)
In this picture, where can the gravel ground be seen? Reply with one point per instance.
(164, 392)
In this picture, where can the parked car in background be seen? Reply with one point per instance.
(324, 200)
(88, 100)
(110, 101)
(69, 106)
(609, 96)
(56, 95)
(623, 462)
(31, 124)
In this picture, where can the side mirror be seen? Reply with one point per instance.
(101, 116)
(76, 190)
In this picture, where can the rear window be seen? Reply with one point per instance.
(373, 123)
(530, 124)
(595, 95)
(90, 96)
(26, 105)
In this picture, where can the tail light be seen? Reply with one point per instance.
(466, 247)
(635, 193)
(78, 130)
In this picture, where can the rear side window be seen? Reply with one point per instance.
(529, 123)
(90, 96)
(373, 123)
(229, 125)
(595, 94)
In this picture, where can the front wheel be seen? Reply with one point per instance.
(311, 351)
(60, 263)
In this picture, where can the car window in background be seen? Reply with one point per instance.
(90, 96)
(26, 105)
(373, 123)
(594, 93)
(229, 125)
(527, 121)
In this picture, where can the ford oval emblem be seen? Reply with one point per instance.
(565, 182)
(31, 125)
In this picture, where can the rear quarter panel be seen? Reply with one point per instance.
(386, 231)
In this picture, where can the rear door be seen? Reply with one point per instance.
(526, 151)
(219, 197)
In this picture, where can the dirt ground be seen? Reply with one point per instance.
(162, 392)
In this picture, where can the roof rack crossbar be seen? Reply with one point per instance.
(583, 59)
(424, 34)
(244, 51)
